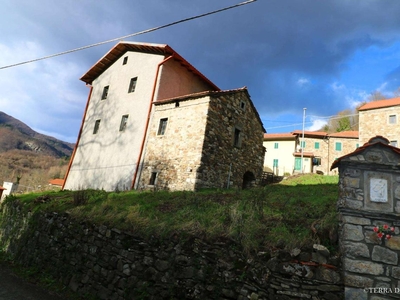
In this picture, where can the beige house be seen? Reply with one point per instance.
(279, 153)
(312, 154)
(380, 118)
(154, 121)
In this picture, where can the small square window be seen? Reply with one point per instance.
(237, 138)
(303, 144)
(124, 121)
(153, 178)
(132, 85)
(242, 105)
(105, 92)
(96, 126)
(162, 126)
(276, 145)
(338, 146)
(125, 60)
(392, 119)
(316, 145)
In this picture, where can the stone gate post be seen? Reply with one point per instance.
(369, 212)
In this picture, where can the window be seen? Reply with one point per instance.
(275, 164)
(242, 105)
(392, 119)
(393, 143)
(316, 161)
(276, 145)
(132, 85)
(125, 60)
(177, 104)
(237, 138)
(303, 144)
(96, 126)
(338, 146)
(357, 145)
(105, 92)
(153, 178)
(316, 145)
(162, 126)
(124, 121)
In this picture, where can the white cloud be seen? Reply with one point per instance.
(317, 124)
(303, 81)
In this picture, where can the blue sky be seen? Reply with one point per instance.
(326, 56)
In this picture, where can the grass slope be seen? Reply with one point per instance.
(297, 212)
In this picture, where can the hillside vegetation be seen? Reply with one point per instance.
(297, 212)
(33, 157)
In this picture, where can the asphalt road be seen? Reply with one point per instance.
(15, 288)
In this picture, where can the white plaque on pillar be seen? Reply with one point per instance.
(378, 190)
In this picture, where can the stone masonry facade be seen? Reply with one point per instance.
(376, 122)
(209, 139)
(369, 197)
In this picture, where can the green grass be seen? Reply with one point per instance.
(297, 212)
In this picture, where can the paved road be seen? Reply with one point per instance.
(14, 288)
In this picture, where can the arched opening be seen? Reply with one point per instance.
(249, 180)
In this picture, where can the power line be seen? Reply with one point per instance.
(128, 36)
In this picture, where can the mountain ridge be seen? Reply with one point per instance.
(16, 135)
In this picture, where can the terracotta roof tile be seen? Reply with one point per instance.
(272, 136)
(345, 134)
(314, 133)
(57, 181)
(380, 104)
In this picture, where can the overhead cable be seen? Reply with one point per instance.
(128, 36)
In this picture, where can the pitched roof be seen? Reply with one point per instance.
(279, 136)
(2, 188)
(345, 134)
(380, 104)
(59, 182)
(373, 141)
(212, 94)
(312, 133)
(122, 47)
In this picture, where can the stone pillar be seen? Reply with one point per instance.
(369, 206)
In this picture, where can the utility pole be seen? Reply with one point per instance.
(303, 143)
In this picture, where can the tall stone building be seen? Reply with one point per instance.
(154, 121)
(380, 118)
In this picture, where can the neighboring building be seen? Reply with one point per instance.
(56, 182)
(153, 121)
(279, 153)
(380, 118)
(313, 154)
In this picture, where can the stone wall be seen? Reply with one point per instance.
(110, 264)
(369, 198)
(228, 112)
(197, 148)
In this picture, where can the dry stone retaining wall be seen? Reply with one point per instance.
(110, 264)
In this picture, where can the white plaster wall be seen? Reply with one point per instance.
(107, 160)
(284, 154)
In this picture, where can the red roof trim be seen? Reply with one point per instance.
(122, 47)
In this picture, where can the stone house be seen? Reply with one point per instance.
(380, 118)
(315, 153)
(154, 121)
